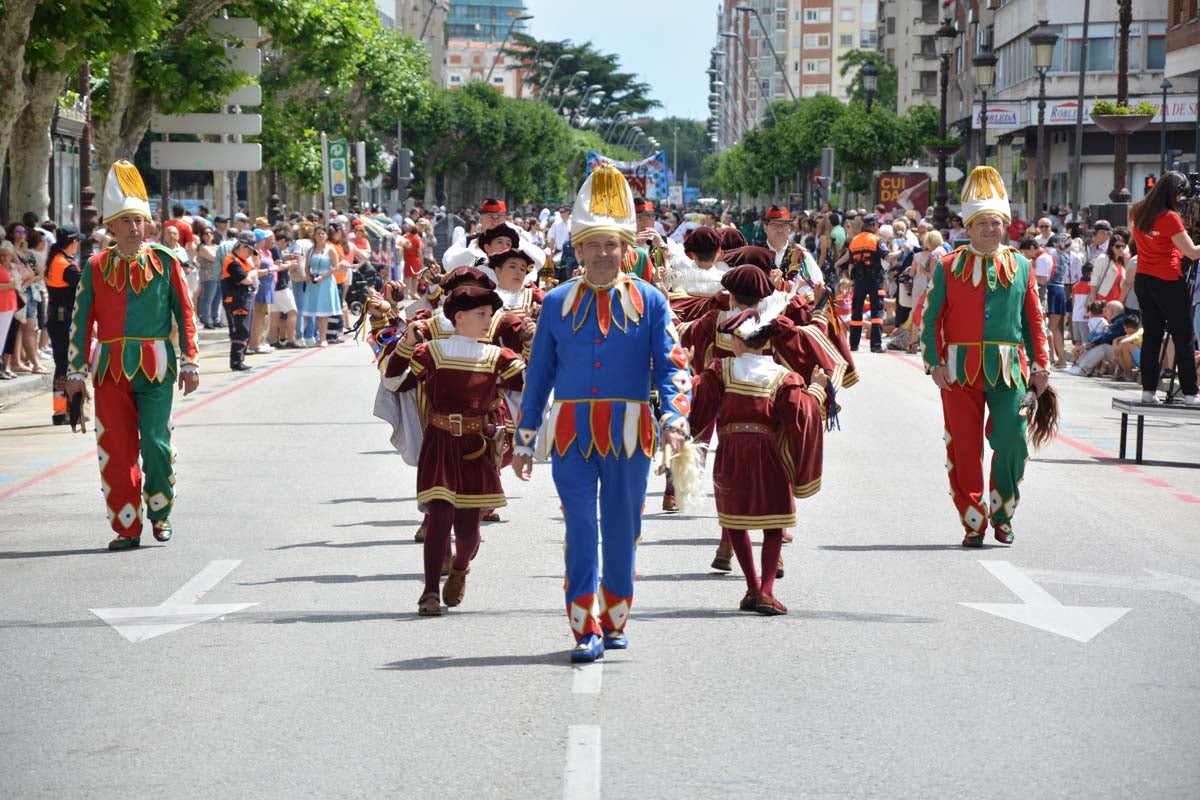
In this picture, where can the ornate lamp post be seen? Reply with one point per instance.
(88, 213)
(1162, 146)
(945, 39)
(985, 78)
(1042, 40)
(870, 81)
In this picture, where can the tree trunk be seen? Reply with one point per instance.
(14, 31)
(135, 124)
(30, 147)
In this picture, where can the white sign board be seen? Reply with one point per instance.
(245, 59)
(245, 96)
(234, 28)
(1062, 112)
(1001, 116)
(205, 156)
(244, 124)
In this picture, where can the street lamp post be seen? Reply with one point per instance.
(595, 88)
(737, 93)
(619, 119)
(1042, 41)
(583, 73)
(553, 69)
(1162, 166)
(778, 61)
(870, 81)
(985, 79)
(432, 7)
(757, 77)
(496, 60)
(87, 194)
(945, 38)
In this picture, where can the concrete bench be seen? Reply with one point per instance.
(1143, 410)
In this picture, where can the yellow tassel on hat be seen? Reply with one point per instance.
(130, 180)
(984, 183)
(608, 192)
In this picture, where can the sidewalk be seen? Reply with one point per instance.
(26, 386)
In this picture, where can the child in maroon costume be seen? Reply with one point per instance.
(458, 475)
(771, 427)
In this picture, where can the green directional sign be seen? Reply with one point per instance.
(339, 168)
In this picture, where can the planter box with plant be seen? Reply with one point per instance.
(1118, 119)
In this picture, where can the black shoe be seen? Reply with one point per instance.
(878, 350)
(124, 543)
(241, 367)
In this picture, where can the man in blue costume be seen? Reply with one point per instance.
(602, 339)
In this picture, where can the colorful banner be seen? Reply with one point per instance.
(902, 191)
(647, 178)
(1062, 112)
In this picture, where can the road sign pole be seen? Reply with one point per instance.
(324, 175)
(166, 186)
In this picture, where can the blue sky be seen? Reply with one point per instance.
(665, 42)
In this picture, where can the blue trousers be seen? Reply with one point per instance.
(210, 303)
(620, 483)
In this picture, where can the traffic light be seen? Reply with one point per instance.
(1148, 185)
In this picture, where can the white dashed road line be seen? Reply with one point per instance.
(581, 779)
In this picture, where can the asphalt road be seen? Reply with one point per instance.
(880, 683)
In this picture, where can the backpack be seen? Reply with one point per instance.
(1062, 266)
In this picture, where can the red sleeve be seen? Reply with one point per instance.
(1033, 331)
(699, 336)
(798, 411)
(510, 369)
(707, 390)
(1168, 224)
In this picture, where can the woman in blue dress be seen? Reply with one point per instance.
(321, 298)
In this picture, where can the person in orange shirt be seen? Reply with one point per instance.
(62, 277)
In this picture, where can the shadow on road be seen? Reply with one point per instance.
(101, 550)
(710, 540)
(886, 548)
(347, 545)
(407, 576)
(555, 658)
(337, 501)
(381, 523)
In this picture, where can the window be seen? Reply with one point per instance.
(456, 79)
(817, 15)
(811, 90)
(816, 66)
(846, 40)
(891, 26)
(499, 81)
(818, 40)
(846, 15)
(869, 40)
(1101, 55)
(1156, 46)
(781, 18)
(928, 83)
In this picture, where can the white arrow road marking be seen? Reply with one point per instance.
(1040, 610)
(1155, 581)
(581, 778)
(137, 624)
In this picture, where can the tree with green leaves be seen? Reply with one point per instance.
(631, 95)
(887, 86)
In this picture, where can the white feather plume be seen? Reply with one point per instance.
(768, 309)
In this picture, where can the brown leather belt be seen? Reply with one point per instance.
(744, 427)
(457, 424)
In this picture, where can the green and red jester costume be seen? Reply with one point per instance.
(132, 304)
(984, 324)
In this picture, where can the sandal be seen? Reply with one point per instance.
(749, 601)
(428, 605)
(779, 568)
(768, 606)
(456, 587)
(420, 534)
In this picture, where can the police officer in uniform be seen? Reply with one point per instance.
(237, 281)
(62, 277)
(866, 269)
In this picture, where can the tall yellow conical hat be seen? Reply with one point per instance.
(984, 193)
(604, 206)
(124, 193)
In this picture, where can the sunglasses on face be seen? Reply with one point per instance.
(1118, 247)
(1040, 227)
(19, 231)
